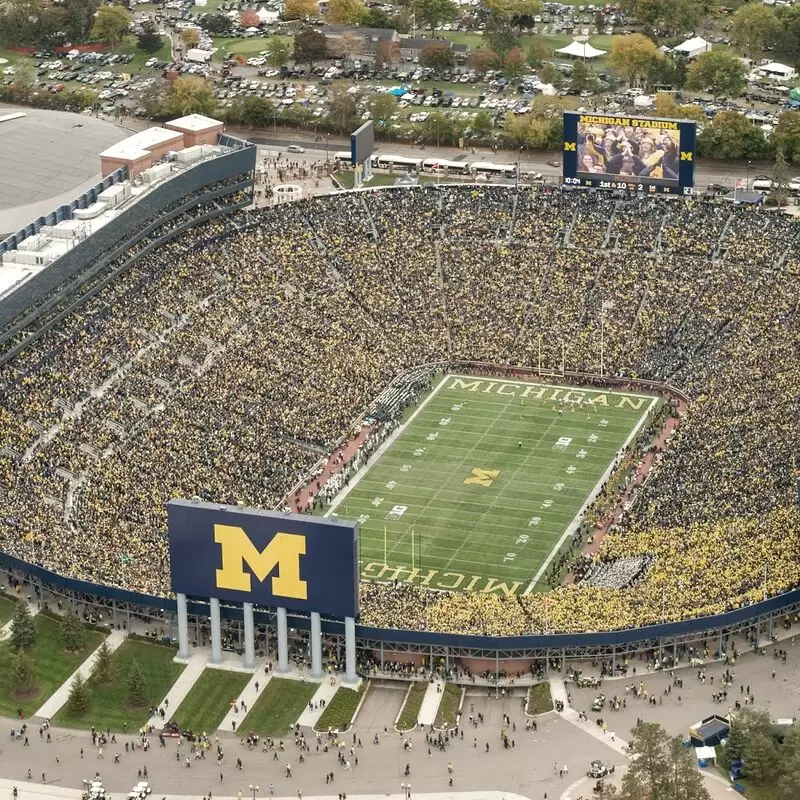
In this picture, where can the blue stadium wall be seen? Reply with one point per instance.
(397, 636)
(112, 239)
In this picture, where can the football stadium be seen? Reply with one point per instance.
(544, 420)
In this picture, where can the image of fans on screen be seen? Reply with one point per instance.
(634, 153)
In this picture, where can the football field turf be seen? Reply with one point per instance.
(486, 480)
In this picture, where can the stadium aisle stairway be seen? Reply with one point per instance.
(61, 695)
(327, 689)
(249, 695)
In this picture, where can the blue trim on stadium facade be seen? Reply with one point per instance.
(396, 636)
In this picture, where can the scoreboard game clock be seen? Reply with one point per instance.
(643, 154)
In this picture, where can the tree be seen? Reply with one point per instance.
(378, 18)
(19, 22)
(216, 23)
(149, 40)
(24, 76)
(482, 60)
(309, 46)
(760, 756)
(191, 95)
(136, 694)
(786, 136)
(278, 51)
(382, 107)
(300, 9)
(434, 13)
(102, 672)
(79, 700)
(346, 12)
(249, 18)
(80, 18)
(721, 71)
(514, 63)
(789, 37)
(72, 632)
(670, 16)
(662, 768)
(386, 52)
(731, 137)
(437, 57)
(538, 50)
(482, 124)
(257, 111)
(348, 45)
(550, 75)
(153, 98)
(632, 55)
(342, 111)
(111, 24)
(439, 129)
(23, 630)
(583, 79)
(23, 676)
(754, 26)
(190, 37)
(789, 781)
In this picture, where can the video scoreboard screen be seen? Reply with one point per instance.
(643, 154)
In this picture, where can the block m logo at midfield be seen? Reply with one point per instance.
(284, 552)
(482, 477)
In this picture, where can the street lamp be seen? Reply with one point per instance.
(327, 139)
(519, 167)
(254, 789)
(747, 184)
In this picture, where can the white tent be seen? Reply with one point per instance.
(707, 754)
(267, 16)
(692, 48)
(778, 71)
(198, 56)
(581, 50)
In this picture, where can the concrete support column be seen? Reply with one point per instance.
(183, 627)
(283, 641)
(249, 637)
(216, 632)
(316, 645)
(350, 650)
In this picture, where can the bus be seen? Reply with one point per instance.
(388, 161)
(488, 168)
(443, 165)
(342, 157)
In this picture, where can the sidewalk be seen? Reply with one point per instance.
(431, 702)
(59, 698)
(249, 694)
(327, 689)
(5, 631)
(178, 691)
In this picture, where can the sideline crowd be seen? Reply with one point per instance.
(222, 363)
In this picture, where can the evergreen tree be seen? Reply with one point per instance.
(23, 631)
(789, 781)
(23, 677)
(136, 696)
(72, 632)
(760, 756)
(79, 698)
(780, 179)
(101, 672)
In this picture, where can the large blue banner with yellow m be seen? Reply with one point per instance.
(246, 555)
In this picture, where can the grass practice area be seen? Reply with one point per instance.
(339, 712)
(209, 700)
(410, 712)
(540, 701)
(51, 663)
(484, 481)
(448, 708)
(7, 606)
(279, 705)
(108, 708)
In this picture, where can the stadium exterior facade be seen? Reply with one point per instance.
(35, 306)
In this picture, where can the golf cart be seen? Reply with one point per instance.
(597, 769)
(598, 702)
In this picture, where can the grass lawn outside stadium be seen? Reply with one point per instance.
(486, 480)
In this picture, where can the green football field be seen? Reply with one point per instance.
(486, 480)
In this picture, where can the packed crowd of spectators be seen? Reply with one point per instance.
(221, 364)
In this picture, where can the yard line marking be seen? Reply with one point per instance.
(572, 527)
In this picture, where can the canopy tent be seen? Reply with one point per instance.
(706, 755)
(794, 94)
(581, 50)
(267, 16)
(712, 730)
(780, 72)
(694, 47)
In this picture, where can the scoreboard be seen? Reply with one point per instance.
(644, 154)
